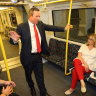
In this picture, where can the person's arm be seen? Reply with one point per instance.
(83, 61)
(2, 81)
(80, 51)
(53, 28)
(15, 35)
(56, 28)
(80, 56)
(7, 83)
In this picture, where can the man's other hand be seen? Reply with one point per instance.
(68, 26)
(14, 36)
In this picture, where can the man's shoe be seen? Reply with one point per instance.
(33, 92)
(48, 94)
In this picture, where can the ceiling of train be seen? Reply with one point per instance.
(57, 0)
(2, 2)
(40, 0)
(9, 0)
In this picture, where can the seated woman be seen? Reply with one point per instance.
(84, 63)
(9, 87)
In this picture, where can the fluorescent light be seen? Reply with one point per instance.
(36, 0)
(14, 1)
(2, 8)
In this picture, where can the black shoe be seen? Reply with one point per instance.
(48, 94)
(33, 92)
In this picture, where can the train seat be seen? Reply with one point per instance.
(57, 50)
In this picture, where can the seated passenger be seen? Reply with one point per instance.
(6, 91)
(84, 63)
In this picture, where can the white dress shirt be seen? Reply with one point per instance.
(33, 38)
(89, 56)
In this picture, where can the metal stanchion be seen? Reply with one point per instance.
(67, 38)
(5, 59)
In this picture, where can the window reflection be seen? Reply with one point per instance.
(83, 21)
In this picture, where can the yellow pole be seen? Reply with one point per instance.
(5, 60)
(67, 37)
(51, 2)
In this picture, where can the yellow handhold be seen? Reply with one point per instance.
(67, 38)
(5, 59)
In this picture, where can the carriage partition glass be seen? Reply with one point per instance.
(13, 19)
(83, 21)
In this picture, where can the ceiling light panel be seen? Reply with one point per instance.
(36, 0)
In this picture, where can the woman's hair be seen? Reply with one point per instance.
(93, 37)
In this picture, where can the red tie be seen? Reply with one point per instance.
(37, 40)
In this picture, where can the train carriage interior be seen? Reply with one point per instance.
(53, 12)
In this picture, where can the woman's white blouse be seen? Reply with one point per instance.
(89, 56)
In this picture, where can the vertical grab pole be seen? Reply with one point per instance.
(5, 59)
(67, 37)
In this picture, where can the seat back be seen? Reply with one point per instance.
(53, 46)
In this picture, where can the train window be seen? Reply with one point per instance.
(13, 20)
(83, 21)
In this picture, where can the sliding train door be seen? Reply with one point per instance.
(10, 17)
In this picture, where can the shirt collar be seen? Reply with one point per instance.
(30, 23)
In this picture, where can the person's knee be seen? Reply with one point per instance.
(76, 62)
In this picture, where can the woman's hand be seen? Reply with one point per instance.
(7, 91)
(86, 67)
(11, 83)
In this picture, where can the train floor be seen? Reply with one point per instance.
(56, 82)
(10, 49)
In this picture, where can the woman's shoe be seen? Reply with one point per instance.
(83, 90)
(68, 92)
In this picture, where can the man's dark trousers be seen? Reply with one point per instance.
(35, 64)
